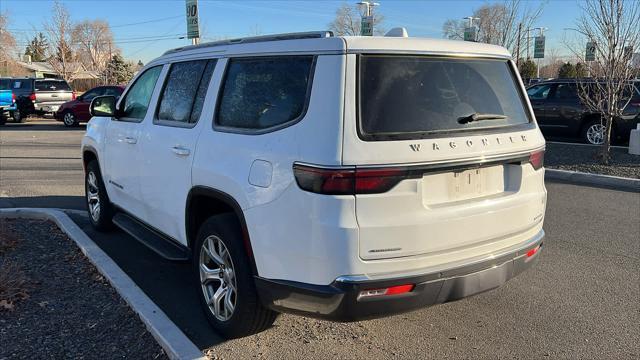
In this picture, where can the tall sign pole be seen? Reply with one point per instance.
(193, 24)
(366, 25)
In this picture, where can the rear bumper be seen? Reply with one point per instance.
(339, 301)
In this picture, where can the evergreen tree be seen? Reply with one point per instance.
(528, 69)
(118, 71)
(37, 48)
(567, 70)
(581, 70)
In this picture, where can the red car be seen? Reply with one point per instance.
(75, 111)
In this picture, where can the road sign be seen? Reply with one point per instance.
(590, 51)
(193, 28)
(366, 26)
(538, 47)
(470, 33)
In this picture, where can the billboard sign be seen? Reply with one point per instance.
(470, 33)
(538, 47)
(590, 51)
(366, 26)
(193, 27)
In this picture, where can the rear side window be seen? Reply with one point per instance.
(137, 99)
(21, 84)
(185, 90)
(48, 85)
(262, 93)
(566, 92)
(539, 92)
(408, 97)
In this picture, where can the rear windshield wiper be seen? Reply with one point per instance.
(479, 117)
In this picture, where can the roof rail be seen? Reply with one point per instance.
(256, 39)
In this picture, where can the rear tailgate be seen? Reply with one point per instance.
(463, 186)
(50, 94)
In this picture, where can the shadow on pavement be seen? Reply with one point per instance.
(168, 284)
(52, 201)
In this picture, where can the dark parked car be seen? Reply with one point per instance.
(560, 112)
(39, 96)
(75, 111)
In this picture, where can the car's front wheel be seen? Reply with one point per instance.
(98, 204)
(594, 132)
(69, 119)
(223, 276)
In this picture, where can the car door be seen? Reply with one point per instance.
(169, 142)
(538, 95)
(81, 108)
(564, 109)
(122, 151)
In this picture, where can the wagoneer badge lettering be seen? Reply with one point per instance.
(484, 141)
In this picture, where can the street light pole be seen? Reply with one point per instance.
(367, 18)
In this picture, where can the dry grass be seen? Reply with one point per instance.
(13, 285)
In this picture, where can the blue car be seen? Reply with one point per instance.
(7, 99)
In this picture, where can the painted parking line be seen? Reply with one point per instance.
(581, 144)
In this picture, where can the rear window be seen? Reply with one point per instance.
(408, 97)
(48, 85)
(5, 84)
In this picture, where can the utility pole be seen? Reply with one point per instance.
(366, 24)
(528, 46)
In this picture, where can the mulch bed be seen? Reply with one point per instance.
(54, 304)
(585, 159)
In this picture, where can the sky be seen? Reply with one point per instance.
(144, 29)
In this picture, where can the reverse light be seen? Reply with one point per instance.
(537, 159)
(394, 290)
(347, 181)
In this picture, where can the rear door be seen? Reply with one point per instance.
(563, 109)
(123, 158)
(457, 183)
(169, 143)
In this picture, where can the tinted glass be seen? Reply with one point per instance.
(22, 84)
(405, 95)
(113, 91)
(181, 90)
(137, 101)
(89, 95)
(260, 93)
(5, 84)
(202, 91)
(52, 85)
(539, 92)
(566, 92)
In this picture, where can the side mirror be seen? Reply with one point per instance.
(103, 106)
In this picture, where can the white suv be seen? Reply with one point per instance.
(336, 177)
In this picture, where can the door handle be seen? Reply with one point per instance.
(130, 140)
(180, 151)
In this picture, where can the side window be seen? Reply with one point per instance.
(137, 100)
(112, 91)
(539, 92)
(89, 95)
(566, 92)
(184, 91)
(260, 93)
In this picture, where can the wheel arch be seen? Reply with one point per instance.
(204, 202)
(89, 153)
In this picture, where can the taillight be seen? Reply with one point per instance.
(32, 97)
(537, 159)
(394, 290)
(73, 95)
(347, 181)
(13, 97)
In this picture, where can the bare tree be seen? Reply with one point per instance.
(614, 27)
(7, 44)
(94, 42)
(498, 23)
(59, 30)
(348, 20)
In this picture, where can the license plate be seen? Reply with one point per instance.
(466, 184)
(54, 108)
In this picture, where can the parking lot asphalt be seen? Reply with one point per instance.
(582, 300)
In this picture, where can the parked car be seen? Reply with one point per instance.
(7, 99)
(343, 178)
(39, 96)
(75, 111)
(560, 112)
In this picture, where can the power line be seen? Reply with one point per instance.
(111, 26)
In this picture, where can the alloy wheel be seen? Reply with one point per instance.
(595, 134)
(69, 119)
(93, 196)
(217, 278)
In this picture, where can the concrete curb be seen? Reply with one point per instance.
(582, 178)
(174, 342)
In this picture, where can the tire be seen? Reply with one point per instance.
(69, 119)
(17, 115)
(590, 135)
(222, 233)
(3, 118)
(98, 204)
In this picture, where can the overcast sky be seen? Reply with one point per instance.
(144, 29)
